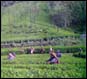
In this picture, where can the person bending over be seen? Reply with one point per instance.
(53, 58)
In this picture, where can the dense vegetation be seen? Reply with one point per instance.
(63, 49)
(60, 24)
(33, 20)
(34, 66)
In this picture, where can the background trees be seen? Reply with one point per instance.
(68, 14)
(60, 13)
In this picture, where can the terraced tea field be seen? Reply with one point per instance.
(34, 66)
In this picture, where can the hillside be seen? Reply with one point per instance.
(28, 20)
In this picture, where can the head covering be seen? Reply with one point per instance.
(51, 49)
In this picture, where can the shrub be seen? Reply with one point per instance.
(67, 49)
(82, 55)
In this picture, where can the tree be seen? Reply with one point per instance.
(61, 14)
(79, 15)
(68, 13)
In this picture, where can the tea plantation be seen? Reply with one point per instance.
(34, 66)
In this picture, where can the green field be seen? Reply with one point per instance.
(27, 20)
(34, 66)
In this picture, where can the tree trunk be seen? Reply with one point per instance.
(65, 24)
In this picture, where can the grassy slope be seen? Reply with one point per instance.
(19, 14)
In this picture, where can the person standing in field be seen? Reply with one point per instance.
(32, 50)
(28, 50)
(80, 49)
(11, 56)
(53, 57)
(42, 50)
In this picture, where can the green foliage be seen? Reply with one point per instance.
(34, 66)
(63, 49)
(80, 54)
(79, 16)
(20, 24)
